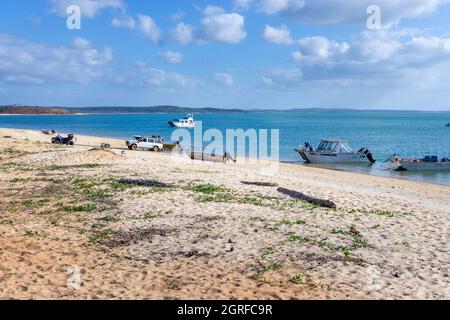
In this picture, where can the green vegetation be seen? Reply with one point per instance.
(298, 279)
(207, 188)
(100, 237)
(30, 233)
(88, 207)
(110, 218)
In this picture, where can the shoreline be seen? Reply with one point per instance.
(118, 143)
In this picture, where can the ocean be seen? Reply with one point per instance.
(384, 133)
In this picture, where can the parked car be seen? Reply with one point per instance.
(154, 143)
(69, 140)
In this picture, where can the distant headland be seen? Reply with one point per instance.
(36, 110)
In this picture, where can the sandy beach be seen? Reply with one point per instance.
(84, 223)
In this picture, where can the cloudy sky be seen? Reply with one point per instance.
(241, 53)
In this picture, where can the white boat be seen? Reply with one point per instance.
(187, 122)
(332, 151)
(425, 164)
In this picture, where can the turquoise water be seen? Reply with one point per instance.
(409, 134)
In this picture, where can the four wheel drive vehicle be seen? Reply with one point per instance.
(69, 140)
(154, 143)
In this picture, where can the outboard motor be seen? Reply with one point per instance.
(368, 155)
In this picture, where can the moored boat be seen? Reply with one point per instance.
(187, 122)
(421, 164)
(334, 151)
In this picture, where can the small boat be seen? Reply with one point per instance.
(48, 132)
(187, 122)
(334, 152)
(428, 163)
(448, 124)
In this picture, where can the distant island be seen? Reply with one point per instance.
(35, 110)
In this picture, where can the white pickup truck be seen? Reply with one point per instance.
(154, 143)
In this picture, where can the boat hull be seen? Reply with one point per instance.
(424, 166)
(333, 158)
(174, 124)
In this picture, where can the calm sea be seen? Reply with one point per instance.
(412, 134)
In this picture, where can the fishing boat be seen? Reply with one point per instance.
(334, 151)
(428, 163)
(186, 122)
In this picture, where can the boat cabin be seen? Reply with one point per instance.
(339, 146)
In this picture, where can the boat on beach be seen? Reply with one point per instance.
(428, 163)
(186, 122)
(334, 151)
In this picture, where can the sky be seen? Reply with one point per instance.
(276, 54)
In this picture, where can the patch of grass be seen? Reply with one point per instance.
(207, 188)
(7, 222)
(149, 216)
(110, 218)
(384, 213)
(298, 279)
(16, 166)
(30, 233)
(88, 207)
(13, 153)
(381, 213)
(100, 237)
(377, 226)
(17, 180)
(78, 166)
(273, 266)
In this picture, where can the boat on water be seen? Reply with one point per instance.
(448, 124)
(334, 151)
(186, 122)
(428, 163)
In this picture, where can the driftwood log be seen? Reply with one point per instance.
(312, 200)
(260, 184)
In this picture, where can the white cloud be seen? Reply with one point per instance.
(381, 55)
(124, 22)
(222, 27)
(178, 15)
(26, 62)
(224, 80)
(337, 11)
(149, 28)
(171, 57)
(242, 5)
(282, 78)
(89, 8)
(182, 33)
(280, 35)
(81, 44)
(319, 48)
(147, 77)
(296, 56)
(144, 24)
(213, 10)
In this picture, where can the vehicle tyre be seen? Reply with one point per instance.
(156, 149)
(134, 147)
(71, 143)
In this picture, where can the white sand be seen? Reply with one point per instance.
(172, 244)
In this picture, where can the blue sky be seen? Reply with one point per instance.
(229, 54)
